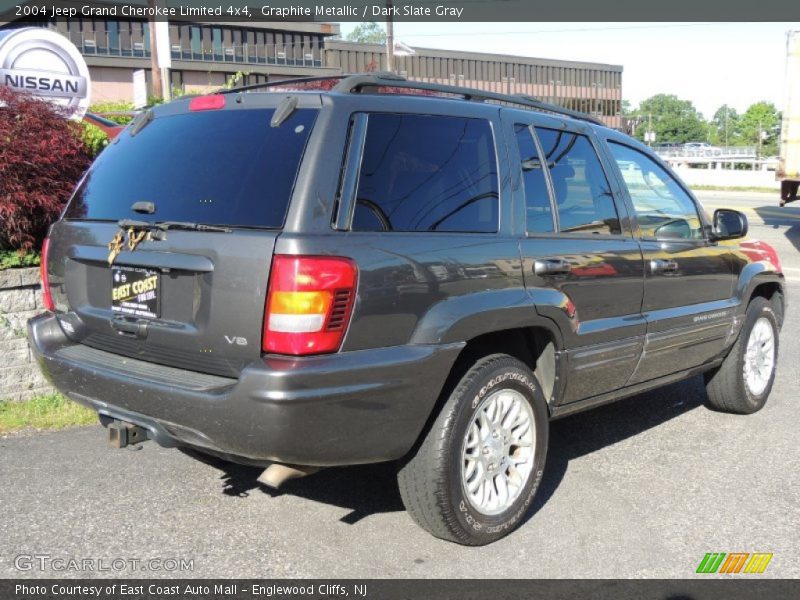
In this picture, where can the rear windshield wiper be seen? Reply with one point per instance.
(165, 225)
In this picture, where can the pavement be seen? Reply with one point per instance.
(641, 488)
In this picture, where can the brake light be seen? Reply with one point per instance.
(309, 304)
(212, 102)
(47, 297)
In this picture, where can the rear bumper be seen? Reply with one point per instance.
(347, 408)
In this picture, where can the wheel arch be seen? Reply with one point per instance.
(536, 345)
(759, 280)
(772, 291)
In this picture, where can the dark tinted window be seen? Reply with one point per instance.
(427, 173)
(583, 196)
(226, 167)
(537, 197)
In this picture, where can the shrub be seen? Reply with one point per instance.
(11, 259)
(94, 138)
(103, 108)
(41, 159)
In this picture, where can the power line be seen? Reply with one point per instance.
(571, 30)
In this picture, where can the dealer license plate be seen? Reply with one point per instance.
(136, 291)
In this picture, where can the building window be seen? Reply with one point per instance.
(216, 43)
(197, 44)
(112, 29)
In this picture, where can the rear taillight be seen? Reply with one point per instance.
(47, 297)
(212, 102)
(309, 304)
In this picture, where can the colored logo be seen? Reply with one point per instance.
(45, 64)
(734, 562)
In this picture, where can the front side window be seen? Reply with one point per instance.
(427, 173)
(663, 208)
(583, 196)
(537, 198)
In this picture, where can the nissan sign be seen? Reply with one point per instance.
(45, 64)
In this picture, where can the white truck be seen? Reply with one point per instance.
(788, 172)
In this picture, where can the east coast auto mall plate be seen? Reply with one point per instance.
(135, 291)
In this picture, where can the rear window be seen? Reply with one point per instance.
(225, 167)
(427, 173)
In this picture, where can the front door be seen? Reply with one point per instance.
(688, 279)
(581, 263)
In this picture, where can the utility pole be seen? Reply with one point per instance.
(760, 137)
(155, 70)
(389, 37)
(726, 125)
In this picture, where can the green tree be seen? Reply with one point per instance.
(763, 120)
(724, 129)
(368, 33)
(673, 119)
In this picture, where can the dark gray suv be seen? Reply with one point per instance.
(393, 270)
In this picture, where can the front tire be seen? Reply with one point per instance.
(473, 477)
(742, 383)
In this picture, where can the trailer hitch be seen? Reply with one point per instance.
(122, 434)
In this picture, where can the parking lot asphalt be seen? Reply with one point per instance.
(641, 488)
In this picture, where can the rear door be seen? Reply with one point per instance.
(190, 299)
(689, 280)
(580, 261)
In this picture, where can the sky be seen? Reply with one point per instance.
(710, 64)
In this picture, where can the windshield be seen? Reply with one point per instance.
(226, 167)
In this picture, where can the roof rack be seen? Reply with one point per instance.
(349, 84)
(281, 83)
(357, 83)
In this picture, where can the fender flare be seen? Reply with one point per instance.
(462, 318)
(753, 275)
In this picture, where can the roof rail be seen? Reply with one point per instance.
(349, 84)
(356, 83)
(281, 83)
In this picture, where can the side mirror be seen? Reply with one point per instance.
(728, 224)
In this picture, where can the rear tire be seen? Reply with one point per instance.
(475, 473)
(742, 383)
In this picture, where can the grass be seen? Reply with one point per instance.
(53, 411)
(720, 188)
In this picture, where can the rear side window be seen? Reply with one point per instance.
(583, 196)
(427, 173)
(537, 197)
(226, 167)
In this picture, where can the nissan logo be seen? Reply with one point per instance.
(45, 64)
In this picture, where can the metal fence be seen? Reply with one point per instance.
(727, 152)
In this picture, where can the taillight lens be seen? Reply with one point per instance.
(47, 297)
(309, 304)
(212, 102)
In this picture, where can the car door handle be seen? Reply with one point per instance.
(552, 266)
(663, 266)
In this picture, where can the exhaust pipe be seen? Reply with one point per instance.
(276, 474)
